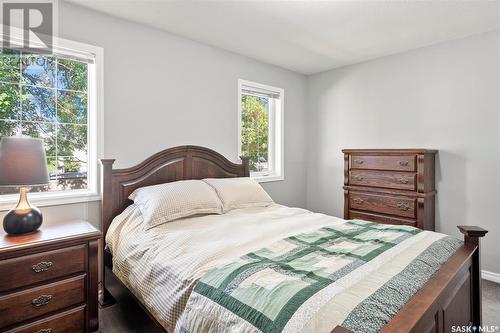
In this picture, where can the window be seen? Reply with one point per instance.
(55, 98)
(260, 129)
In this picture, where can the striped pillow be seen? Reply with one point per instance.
(239, 192)
(171, 201)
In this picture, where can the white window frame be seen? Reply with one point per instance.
(95, 127)
(276, 132)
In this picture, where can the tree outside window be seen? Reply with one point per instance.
(261, 129)
(47, 97)
(255, 131)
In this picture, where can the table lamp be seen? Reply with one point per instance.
(22, 164)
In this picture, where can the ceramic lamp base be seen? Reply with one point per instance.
(28, 220)
(24, 218)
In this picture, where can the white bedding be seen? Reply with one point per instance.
(161, 265)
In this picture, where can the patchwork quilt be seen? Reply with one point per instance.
(272, 269)
(355, 274)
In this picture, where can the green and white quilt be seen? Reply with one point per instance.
(352, 274)
(272, 269)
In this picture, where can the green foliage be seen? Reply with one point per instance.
(255, 131)
(9, 66)
(32, 88)
(70, 139)
(72, 75)
(71, 165)
(9, 101)
(72, 107)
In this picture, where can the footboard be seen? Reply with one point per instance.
(451, 298)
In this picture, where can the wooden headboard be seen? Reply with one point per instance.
(177, 163)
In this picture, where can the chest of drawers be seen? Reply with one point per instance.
(49, 280)
(394, 186)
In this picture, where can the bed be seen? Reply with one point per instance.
(166, 276)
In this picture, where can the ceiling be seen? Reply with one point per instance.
(311, 36)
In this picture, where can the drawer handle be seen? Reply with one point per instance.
(359, 201)
(42, 266)
(403, 163)
(403, 180)
(41, 300)
(45, 330)
(359, 178)
(359, 161)
(403, 206)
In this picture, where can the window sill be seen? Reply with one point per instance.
(49, 199)
(267, 179)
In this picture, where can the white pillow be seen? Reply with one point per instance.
(239, 192)
(171, 201)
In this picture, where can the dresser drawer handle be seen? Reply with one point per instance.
(42, 266)
(359, 201)
(403, 180)
(403, 206)
(359, 161)
(45, 330)
(403, 163)
(359, 178)
(41, 300)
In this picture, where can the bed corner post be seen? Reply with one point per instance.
(105, 297)
(246, 164)
(107, 192)
(472, 235)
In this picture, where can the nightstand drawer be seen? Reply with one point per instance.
(71, 321)
(384, 204)
(41, 267)
(34, 302)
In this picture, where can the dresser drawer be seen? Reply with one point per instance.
(383, 204)
(34, 302)
(41, 267)
(384, 162)
(384, 179)
(380, 218)
(71, 321)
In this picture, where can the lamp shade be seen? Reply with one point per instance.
(22, 162)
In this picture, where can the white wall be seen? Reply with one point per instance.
(161, 90)
(445, 97)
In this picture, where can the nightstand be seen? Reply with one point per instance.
(49, 280)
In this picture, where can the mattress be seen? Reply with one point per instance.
(273, 269)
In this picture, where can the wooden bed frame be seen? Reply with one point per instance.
(451, 297)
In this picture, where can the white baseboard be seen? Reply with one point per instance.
(490, 276)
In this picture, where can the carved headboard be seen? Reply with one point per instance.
(178, 163)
